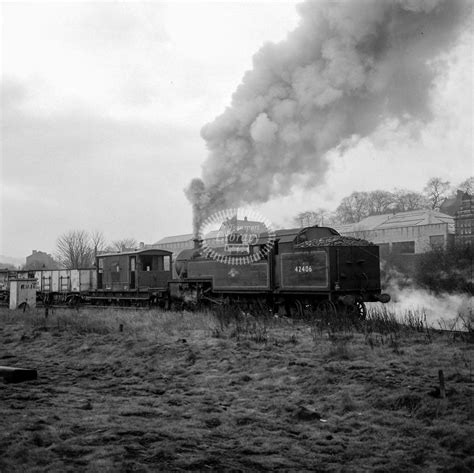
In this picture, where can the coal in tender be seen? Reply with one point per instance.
(338, 240)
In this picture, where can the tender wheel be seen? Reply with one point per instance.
(296, 308)
(327, 307)
(299, 308)
(290, 308)
(358, 310)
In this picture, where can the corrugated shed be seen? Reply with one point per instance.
(412, 218)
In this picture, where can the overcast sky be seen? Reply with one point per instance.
(103, 103)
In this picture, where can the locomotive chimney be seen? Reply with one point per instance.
(197, 243)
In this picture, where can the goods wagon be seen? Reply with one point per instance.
(138, 277)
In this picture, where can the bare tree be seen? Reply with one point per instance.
(467, 185)
(436, 191)
(406, 200)
(331, 218)
(311, 217)
(98, 242)
(74, 250)
(124, 244)
(353, 208)
(379, 202)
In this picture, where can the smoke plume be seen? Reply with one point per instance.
(348, 67)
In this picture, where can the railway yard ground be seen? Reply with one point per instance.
(133, 391)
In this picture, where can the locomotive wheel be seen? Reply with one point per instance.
(295, 308)
(299, 308)
(327, 307)
(305, 311)
(358, 310)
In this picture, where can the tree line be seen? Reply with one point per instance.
(79, 248)
(359, 205)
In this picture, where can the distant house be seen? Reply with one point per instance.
(40, 260)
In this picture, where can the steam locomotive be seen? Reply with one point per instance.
(304, 270)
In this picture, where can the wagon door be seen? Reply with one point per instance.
(133, 269)
(100, 273)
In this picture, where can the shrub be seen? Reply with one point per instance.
(445, 270)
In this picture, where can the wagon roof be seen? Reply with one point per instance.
(143, 251)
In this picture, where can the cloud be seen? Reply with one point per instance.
(79, 169)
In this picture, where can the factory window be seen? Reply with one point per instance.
(437, 240)
(403, 247)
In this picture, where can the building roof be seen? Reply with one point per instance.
(412, 218)
(416, 218)
(175, 239)
(368, 223)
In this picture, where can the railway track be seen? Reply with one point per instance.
(80, 307)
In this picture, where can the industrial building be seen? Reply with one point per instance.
(174, 243)
(404, 233)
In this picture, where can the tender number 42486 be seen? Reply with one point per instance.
(304, 269)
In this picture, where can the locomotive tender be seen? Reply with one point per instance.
(302, 271)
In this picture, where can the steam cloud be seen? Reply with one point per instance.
(453, 311)
(347, 67)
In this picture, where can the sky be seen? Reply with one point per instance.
(103, 105)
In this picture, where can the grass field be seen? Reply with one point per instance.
(156, 391)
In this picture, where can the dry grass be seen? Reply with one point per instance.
(233, 391)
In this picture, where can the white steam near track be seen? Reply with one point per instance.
(446, 311)
(348, 68)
